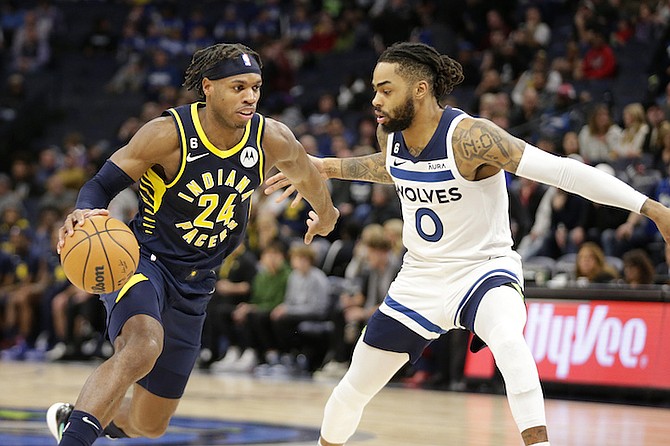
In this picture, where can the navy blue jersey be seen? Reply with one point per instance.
(200, 216)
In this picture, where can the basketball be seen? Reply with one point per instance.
(101, 255)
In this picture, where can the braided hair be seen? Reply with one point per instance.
(206, 58)
(418, 61)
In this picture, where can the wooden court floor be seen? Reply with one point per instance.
(395, 417)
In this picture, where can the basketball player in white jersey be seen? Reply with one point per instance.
(459, 269)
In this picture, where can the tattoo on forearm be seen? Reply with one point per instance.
(486, 143)
(366, 168)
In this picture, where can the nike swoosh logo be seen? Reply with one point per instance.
(191, 157)
(397, 163)
(86, 420)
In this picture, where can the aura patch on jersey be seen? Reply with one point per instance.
(27, 427)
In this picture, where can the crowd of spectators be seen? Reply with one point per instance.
(545, 70)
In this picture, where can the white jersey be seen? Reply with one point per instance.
(456, 231)
(447, 219)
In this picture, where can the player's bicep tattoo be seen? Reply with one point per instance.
(485, 143)
(366, 168)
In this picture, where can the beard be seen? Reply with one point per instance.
(401, 117)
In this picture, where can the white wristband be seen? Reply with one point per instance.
(572, 176)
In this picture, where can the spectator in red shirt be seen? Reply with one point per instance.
(599, 61)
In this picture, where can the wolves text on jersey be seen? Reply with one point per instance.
(421, 195)
(215, 219)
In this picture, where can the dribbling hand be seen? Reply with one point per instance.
(76, 217)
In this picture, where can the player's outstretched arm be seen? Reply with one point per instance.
(360, 168)
(482, 149)
(155, 143)
(288, 155)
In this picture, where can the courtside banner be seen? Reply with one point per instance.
(609, 343)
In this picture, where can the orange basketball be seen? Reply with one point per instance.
(101, 255)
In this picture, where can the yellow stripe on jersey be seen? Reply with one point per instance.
(152, 190)
(261, 158)
(184, 147)
(137, 278)
(211, 147)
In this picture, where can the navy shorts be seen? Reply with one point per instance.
(154, 292)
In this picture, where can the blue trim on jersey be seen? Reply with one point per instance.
(479, 282)
(427, 177)
(435, 149)
(416, 317)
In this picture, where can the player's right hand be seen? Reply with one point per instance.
(279, 181)
(76, 217)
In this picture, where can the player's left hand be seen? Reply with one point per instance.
(320, 225)
(279, 181)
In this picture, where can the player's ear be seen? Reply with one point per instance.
(421, 89)
(206, 86)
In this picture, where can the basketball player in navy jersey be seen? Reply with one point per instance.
(197, 167)
(459, 269)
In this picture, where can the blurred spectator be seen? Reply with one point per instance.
(124, 206)
(637, 268)
(307, 298)
(48, 162)
(21, 298)
(592, 266)
(233, 287)
(78, 318)
(533, 32)
(131, 43)
(369, 288)
(7, 194)
(230, 28)
(11, 19)
(57, 195)
(541, 77)
(525, 118)
(341, 250)
(599, 61)
(102, 40)
(300, 27)
(659, 66)
(570, 144)
(130, 77)
(278, 73)
(264, 27)
(599, 137)
(384, 205)
(31, 51)
(394, 23)
(252, 319)
(634, 133)
(525, 197)
(160, 73)
(653, 141)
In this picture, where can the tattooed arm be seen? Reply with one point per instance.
(482, 149)
(364, 168)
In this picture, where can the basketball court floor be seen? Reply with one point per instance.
(242, 410)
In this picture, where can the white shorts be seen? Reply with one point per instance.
(429, 300)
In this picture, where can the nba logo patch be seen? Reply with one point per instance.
(249, 157)
(246, 60)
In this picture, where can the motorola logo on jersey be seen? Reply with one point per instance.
(249, 157)
(417, 194)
